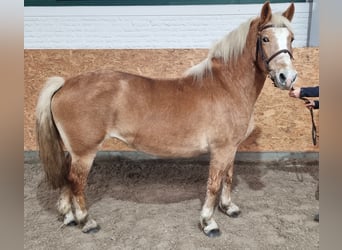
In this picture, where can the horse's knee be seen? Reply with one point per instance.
(214, 189)
(214, 182)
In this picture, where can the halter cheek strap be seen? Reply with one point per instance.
(263, 54)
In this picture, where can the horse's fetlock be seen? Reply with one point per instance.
(203, 222)
(81, 217)
(223, 207)
(63, 205)
(69, 219)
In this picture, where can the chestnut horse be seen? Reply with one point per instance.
(209, 109)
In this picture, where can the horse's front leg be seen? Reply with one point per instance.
(226, 205)
(217, 169)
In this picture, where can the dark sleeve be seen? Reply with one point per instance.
(316, 106)
(309, 91)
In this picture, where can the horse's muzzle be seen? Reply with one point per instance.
(284, 79)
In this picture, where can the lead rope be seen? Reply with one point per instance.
(313, 135)
(313, 129)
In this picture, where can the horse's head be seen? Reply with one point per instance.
(274, 46)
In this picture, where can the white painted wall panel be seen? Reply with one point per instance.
(144, 27)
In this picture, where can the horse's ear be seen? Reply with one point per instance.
(266, 13)
(289, 12)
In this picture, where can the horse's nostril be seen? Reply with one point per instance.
(282, 77)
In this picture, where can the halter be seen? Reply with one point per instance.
(263, 54)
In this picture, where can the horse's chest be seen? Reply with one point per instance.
(231, 126)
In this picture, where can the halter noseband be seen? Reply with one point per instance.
(263, 54)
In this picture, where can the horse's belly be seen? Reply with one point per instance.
(171, 150)
(166, 145)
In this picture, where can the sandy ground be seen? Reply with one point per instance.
(155, 204)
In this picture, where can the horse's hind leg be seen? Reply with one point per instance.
(64, 201)
(79, 171)
(64, 206)
(71, 203)
(218, 162)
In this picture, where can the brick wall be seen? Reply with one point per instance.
(140, 27)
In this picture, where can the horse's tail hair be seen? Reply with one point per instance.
(55, 164)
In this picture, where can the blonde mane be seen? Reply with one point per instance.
(230, 46)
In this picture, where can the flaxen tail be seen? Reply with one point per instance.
(52, 156)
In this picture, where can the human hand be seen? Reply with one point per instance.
(310, 104)
(294, 92)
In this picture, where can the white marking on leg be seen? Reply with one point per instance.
(68, 218)
(63, 203)
(226, 204)
(79, 214)
(225, 197)
(233, 209)
(206, 214)
(207, 222)
(90, 225)
(211, 225)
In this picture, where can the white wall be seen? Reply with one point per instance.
(314, 27)
(144, 27)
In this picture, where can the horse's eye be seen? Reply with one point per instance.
(265, 39)
(292, 39)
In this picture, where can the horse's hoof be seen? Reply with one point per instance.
(71, 224)
(316, 217)
(232, 210)
(90, 226)
(234, 214)
(213, 233)
(91, 230)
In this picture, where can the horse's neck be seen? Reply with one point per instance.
(253, 78)
(243, 77)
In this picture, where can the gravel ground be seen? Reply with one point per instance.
(155, 204)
